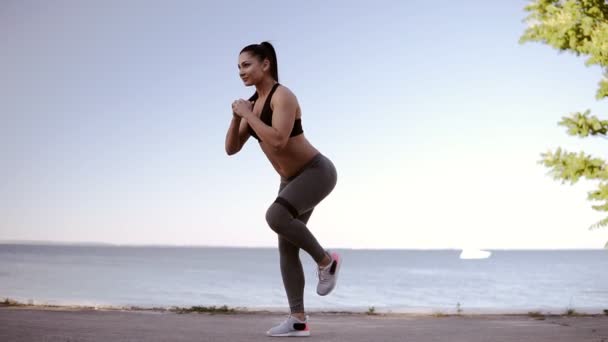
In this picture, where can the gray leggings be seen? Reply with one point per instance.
(288, 215)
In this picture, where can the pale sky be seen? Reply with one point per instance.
(113, 116)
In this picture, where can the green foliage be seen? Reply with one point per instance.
(603, 90)
(582, 125)
(371, 311)
(224, 309)
(570, 166)
(536, 315)
(579, 27)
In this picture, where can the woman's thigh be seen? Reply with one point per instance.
(309, 188)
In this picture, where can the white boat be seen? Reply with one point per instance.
(472, 253)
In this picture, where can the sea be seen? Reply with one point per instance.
(391, 281)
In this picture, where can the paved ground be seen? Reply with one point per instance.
(45, 325)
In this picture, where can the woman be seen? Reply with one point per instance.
(306, 175)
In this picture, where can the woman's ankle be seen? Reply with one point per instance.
(326, 261)
(299, 315)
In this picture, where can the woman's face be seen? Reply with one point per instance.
(251, 70)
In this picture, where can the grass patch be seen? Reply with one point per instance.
(11, 302)
(205, 309)
(439, 314)
(536, 315)
(371, 311)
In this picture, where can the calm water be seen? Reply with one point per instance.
(389, 280)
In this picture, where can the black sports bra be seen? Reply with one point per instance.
(266, 115)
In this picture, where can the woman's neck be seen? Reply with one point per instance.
(263, 88)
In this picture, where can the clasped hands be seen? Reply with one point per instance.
(242, 108)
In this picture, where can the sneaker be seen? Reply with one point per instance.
(290, 327)
(328, 276)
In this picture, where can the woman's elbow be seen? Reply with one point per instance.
(279, 144)
(230, 150)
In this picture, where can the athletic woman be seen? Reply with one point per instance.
(273, 117)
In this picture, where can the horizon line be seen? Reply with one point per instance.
(109, 244)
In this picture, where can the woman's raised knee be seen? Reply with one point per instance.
(278, 217)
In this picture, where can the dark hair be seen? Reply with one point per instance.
(262, 51)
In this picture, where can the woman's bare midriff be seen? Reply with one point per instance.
(298, 151)
(289, 160)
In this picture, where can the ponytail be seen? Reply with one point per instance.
(265, 50)
(272, 57)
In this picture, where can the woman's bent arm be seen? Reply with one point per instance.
(237, 135)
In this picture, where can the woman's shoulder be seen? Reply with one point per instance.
(284, 93)
(284, 97)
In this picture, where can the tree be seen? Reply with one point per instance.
(579, 27)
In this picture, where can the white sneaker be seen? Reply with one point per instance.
(328, 276)
(290, 327)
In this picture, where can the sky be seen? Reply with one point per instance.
(113, 116)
